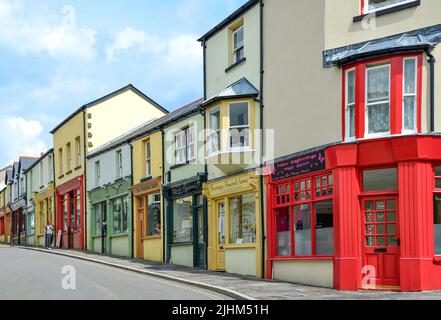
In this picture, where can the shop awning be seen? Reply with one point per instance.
(240, 89)
(410, 41)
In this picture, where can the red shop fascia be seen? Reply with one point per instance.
(70, 213)
(385, 195)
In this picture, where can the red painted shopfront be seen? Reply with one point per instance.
(384, 197)
(70, 213)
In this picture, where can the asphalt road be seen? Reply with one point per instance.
(30, 275)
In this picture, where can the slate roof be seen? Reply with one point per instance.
(409, 41)
(240, 89)
(148, 127)
(26, 162)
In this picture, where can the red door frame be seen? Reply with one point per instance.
(381, 281)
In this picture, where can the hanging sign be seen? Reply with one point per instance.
(299, 166)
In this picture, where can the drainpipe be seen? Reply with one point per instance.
(133, 204)
(262, 141)
(204, 49)
(432, 61)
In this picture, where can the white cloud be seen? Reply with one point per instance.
(21, 137)
(55, 34)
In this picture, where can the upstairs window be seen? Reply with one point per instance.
(370, 6)
(215, 132)
(239, 125)
(185, 146)
(238, 44)
(382, 97)
(78, 149)
(97, 173)
(119, 164)
(60, 162)
(69, 157)
(148, 159)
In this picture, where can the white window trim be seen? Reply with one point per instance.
(366, 108)
(347, 114)
(240, 45)
(148, 159)
(183, 147)
(213, 132)
(97, 173)
(78, 146)
(245, 148)
(193, 143)
(119, 164)
(415, 95)
(367, 11)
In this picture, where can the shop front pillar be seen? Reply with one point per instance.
(347, 263)
(416, 183)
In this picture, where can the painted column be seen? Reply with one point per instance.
(416, 184)
(347, 263)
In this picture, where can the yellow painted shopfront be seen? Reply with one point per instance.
(234, 225)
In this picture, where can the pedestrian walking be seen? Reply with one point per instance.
(49, 234)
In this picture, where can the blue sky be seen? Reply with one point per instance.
(57, 55)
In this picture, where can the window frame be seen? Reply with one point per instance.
(214, 132)
(97, 173)
(415, 95)
(291, 202)
(377, 103)
(396, 95)
(240, 46)
(148, 158)
(244, 148)
(68, 157)
(181, 133)
(347, 133)
(119, 164)
(78, 149)
(365, 6)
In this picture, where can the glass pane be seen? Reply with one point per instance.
(438, 183)
(324, 228)
(380, 229)
(215, 120)
(379, 180)
(437, 223)
(380, 216)
(379, 205)
(239, 114)
(381, 241)
(370, 217)
(391, 204)
(410, 76)
(370, 241)
(243, 219)
(302, 234)
(154, 216)
(352, 121)
(317, 182)
(238, 37)
(239, 138)
(221, 223)
(391, 216)
(183, 220)
(391, 228)
(438, 171)
(370, 229)
(283, 232)
(379, 118)
(378, 84)
(392, 241)
(376, 4)
(409, 113)
(351, 87)
(369, 205)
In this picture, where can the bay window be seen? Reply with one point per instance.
(382, 97)
(239, 130)
(304, 217)
(215, 130)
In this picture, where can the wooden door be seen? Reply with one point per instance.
(381, 243)
(221, 232)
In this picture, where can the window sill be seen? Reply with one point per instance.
(78, 168)
(388, 10)
(234, 65)
(181, 244)
(119, 235)
(61, 177)
(241, 246)
(146, 179)
(69, 172)
(176, 166)
(151, 238)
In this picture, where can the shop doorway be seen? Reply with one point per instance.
(221, 230)
(381, 243)
(139, 230)
(201, 236)
(71, 219)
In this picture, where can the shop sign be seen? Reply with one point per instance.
(20, 204)
(185, 188)
(232, 185)
(299, 166)
(146, 187)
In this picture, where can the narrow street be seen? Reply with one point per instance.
(29, 275)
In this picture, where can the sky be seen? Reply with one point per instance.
(58, 55)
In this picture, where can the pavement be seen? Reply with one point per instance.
(234, 286)
(34, 275)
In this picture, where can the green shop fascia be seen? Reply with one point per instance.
(111, 219)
